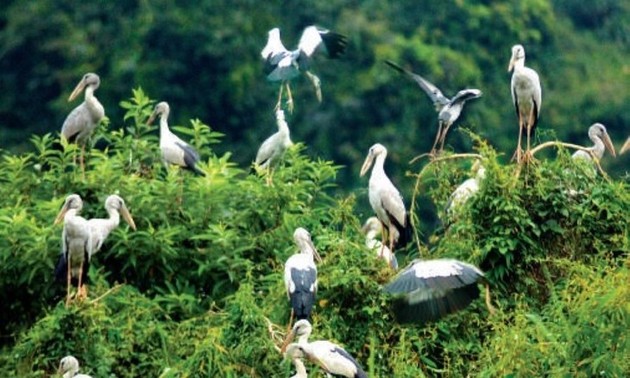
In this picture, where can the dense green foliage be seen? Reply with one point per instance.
(192, 291)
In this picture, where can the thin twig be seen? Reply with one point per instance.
(274, 335)
(106, 293)
(573, 146)
(488, 301)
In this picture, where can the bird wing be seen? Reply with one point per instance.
(75, 123)
(334, 359)
(465, 95)
(274, 45)
(270, 148)
(434, 276)
(439, 100)
(394, 206)
(191, 157)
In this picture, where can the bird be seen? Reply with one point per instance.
(174, 150)
(448, 110)
(332, 358)
(83, 120)
(284, 65)
(296, 355)
(300, 275)
(625, 147)
(527, 99)
(76, 246)
(598, 134)
(371, 229)
(69, 368)
(100, 228)
(274, 147)
(427, 290)
(466, 189)
(385, 199)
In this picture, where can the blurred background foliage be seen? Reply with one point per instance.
(190, 292)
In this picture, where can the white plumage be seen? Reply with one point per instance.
(465, 190)
(300, 275)
(601, 142)
(371, 229)
(101, 228)
(274, 147)
(69, 368)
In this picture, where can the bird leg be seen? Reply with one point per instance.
(69, 284)
(528, 155)
(80, 288)
(289, 98)
(443, 138)
(433, 152)
(290, 321)
(279, 103)
(81, 162)
(383, 238)
(491, 308)
(519, 151)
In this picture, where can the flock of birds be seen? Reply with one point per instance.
(424, 291)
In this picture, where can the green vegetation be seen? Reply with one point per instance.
(196, 289)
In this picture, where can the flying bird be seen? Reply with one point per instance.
(274, 147)
(385, 199)
(601, 142)
(76, 247)
(428, 290)
(300, 275)
(371, 229)
(69, 368)
(332, 358)
(466, 190)
(101, 228)
(284, 65)
(527, 99)
(174, 150)
(83, 120)
(448, 110)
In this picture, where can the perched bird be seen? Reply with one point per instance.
(83, 120)
(448, 109)
(284, 65)
(100, 228)
(69, 368)
(274, 147)
(385, 199)
(371, 229)
(625, 147)
(174, 150)
(466, 190)
(296, 355)
(527, 99)
(428, 290)
(300, 276)
(332, 358)
(601, 142)
(76, 246)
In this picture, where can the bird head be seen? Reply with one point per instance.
(161, 108)
(302, 329)
(518, 55)
(294, 351)
(376, 150)
(597, 130)
(115, 202)
(68, 364)
(303, 240)
(372, 225)
(88, 80)
(73, 202)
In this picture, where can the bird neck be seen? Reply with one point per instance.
(598, 146)
(283, 129)
(91, 101)
(164, 130)
(379, 166)
(113, 220)
(370, 237)
(519, 64)
(300, 369)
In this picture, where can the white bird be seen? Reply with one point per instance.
(527, 98)
(69, 368)
(284, 65)
(274, 147)
(601, 142)
(101, 228)
(332, 358)
(428, 290)
(296, 355)
(448, 110)
(174, 150)
(466, 190)
(625, 147)
(83, 120)
(300, 275)
(76, 246)
(371, 229)
(385, 199)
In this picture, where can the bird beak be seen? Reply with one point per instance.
(609, 145)
(367, 164)
(61, 215)
(287, 341)
(511, 65)
(77, 90)
(125, 213)
(625, 147)
(152, 117)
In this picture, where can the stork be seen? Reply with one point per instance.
(284, 65)
(448, 110)
(429, 290)
(296, 355)
(76, 246)
(174, 150)
(83, 120)
(466, 189)
(274, 147)
(332, 358)
(625, 147)
(69, 368)
(527, 99)
(300, 276)
(371, 229)
(385, 199)
(101, 228)
(601, 142)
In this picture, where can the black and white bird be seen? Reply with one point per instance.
(372, 228)
(76, 247)
(601, 142)
(102, 227)
(174, 150)
(300, 275)
(527, 99)
(69, 368)
(284, 65)
(332, 358)
(465, 190)
(385, 199)
(83, 120)
(274, 147)
(428, 290)
(448, 110)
